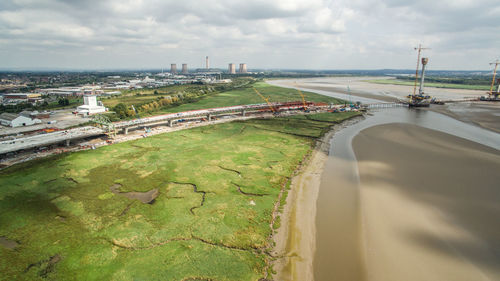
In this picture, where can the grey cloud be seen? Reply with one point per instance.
(327, 32)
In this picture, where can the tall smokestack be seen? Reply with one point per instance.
(173, 68)
(207, 62)
(184, 68)
(424, 63)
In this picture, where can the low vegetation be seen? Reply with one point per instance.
(214, 188)
(193, 97)
(247, 95)
(428, 83)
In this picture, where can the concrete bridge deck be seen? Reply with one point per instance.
(41, 140)
(46, 139)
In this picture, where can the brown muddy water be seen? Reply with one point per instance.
(409, 229)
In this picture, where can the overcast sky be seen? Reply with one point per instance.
(300, 34)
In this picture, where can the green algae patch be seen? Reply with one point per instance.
(106, 195)
(78, 216)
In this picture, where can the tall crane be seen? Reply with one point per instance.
(419, 48)
(266, 99)
(420, 99)
(302, 96)
(491, 94)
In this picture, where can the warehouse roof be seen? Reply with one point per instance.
(8, 116)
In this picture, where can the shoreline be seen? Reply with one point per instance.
(297, 233)
(481, 114)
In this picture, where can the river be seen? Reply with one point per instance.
(416, 198)
(339, 242)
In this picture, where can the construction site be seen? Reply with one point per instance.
(209, 195)
(199, 183)
(104, 132)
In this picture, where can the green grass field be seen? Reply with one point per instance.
(211, 220)
(248, 96)
(435, 85)
(241, 96)
(141, 96)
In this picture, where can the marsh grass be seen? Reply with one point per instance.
(70, 226)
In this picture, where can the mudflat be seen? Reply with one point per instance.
(429, 204)
(482, 114)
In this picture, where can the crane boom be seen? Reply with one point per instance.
(266, 99)
(303, 99)
(494, 74)
(419, 49)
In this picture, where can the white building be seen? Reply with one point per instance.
(90, 106)
(14, 120)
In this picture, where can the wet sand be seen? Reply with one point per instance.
(360, 88)
(446, 234)
(483, 114)
(429, 205)
(335, 86)
(296, 238)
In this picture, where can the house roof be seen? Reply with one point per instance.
(8, 116)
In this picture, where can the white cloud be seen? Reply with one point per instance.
(263, 33)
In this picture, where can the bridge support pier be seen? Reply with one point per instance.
(170, 123)
(244, 113)
(125, 131)
(209, 117)
(68, 142)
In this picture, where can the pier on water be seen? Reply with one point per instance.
(385, 105)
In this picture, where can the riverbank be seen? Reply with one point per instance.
(429, 212)
(295, 240)
(483, 114)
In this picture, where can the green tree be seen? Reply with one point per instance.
(121, 110)
(63, 102)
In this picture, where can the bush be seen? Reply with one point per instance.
(63, 102)
(122, 110)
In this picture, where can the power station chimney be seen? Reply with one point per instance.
(207, 63)
(173, 68)
(232, 68)
(184, 68)
(424, 63)
(243, 68)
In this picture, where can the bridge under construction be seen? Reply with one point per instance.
(75, 134)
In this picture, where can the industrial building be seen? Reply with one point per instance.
(232, 68)
(173, 68)
(14, 120)
(35, 114)
(184, 68)
(21, 97)
(90, 106)
(73, 91)
(243, 68)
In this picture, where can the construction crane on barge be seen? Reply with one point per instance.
(420, 99)
(493, 96)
